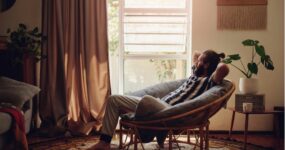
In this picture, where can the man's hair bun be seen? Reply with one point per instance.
(222, 55)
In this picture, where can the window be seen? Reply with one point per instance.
(153, 43)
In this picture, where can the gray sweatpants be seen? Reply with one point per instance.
(116, 105)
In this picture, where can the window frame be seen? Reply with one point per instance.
(179, 56)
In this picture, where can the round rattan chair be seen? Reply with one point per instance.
(196, 119)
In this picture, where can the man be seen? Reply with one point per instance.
(207, 72)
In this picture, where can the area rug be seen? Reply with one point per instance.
(83, 143)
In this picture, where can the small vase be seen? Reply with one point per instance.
(248, 85)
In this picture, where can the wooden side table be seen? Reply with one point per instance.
(247, 120)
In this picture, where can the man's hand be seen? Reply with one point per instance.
(196, 55)
(221, 72)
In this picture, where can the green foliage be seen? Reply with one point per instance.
(113, 25)
(252, 67)
(23, 41)
(164, 69)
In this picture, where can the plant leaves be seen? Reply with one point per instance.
(248, 42)
(24, 41)
(227, 60)
(35, 30)
(267, 62)
(252, 67)
(260, 50)
(234, 57)
(22, 26)
(38, 35)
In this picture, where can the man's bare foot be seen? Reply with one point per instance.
(101, 145)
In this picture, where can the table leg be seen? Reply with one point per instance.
(245, 131)
(232, 124)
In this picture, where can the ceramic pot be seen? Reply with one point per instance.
(248, 85)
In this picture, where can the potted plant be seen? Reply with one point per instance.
(25, 43)
(249, 85)
(25, 47)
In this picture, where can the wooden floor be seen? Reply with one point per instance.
(264, 140)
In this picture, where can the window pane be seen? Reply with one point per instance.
(154, 39)
(155, 3)
(165, 18)
(155, 28)
(173, 49)
(141, 73)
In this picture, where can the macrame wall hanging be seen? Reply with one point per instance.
(242, 14)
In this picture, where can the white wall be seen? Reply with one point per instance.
(23, 11)
(206, 36)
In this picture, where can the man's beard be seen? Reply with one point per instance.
(198, 71)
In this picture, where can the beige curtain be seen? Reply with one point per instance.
(75, 76)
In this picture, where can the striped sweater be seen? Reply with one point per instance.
(193, 87)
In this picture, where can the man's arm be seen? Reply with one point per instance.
(221, 72)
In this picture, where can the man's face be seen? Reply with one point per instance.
(201, 66)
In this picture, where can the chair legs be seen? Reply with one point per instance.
(134, 138)
(204, 137)
(138, 137)
(207, 137)
(188, 136)
(136, 142)
(201, 135)
(133, 134)
(170, 134)
(121, 137)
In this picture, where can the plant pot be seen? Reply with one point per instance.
(248, 85)
(29, 69)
